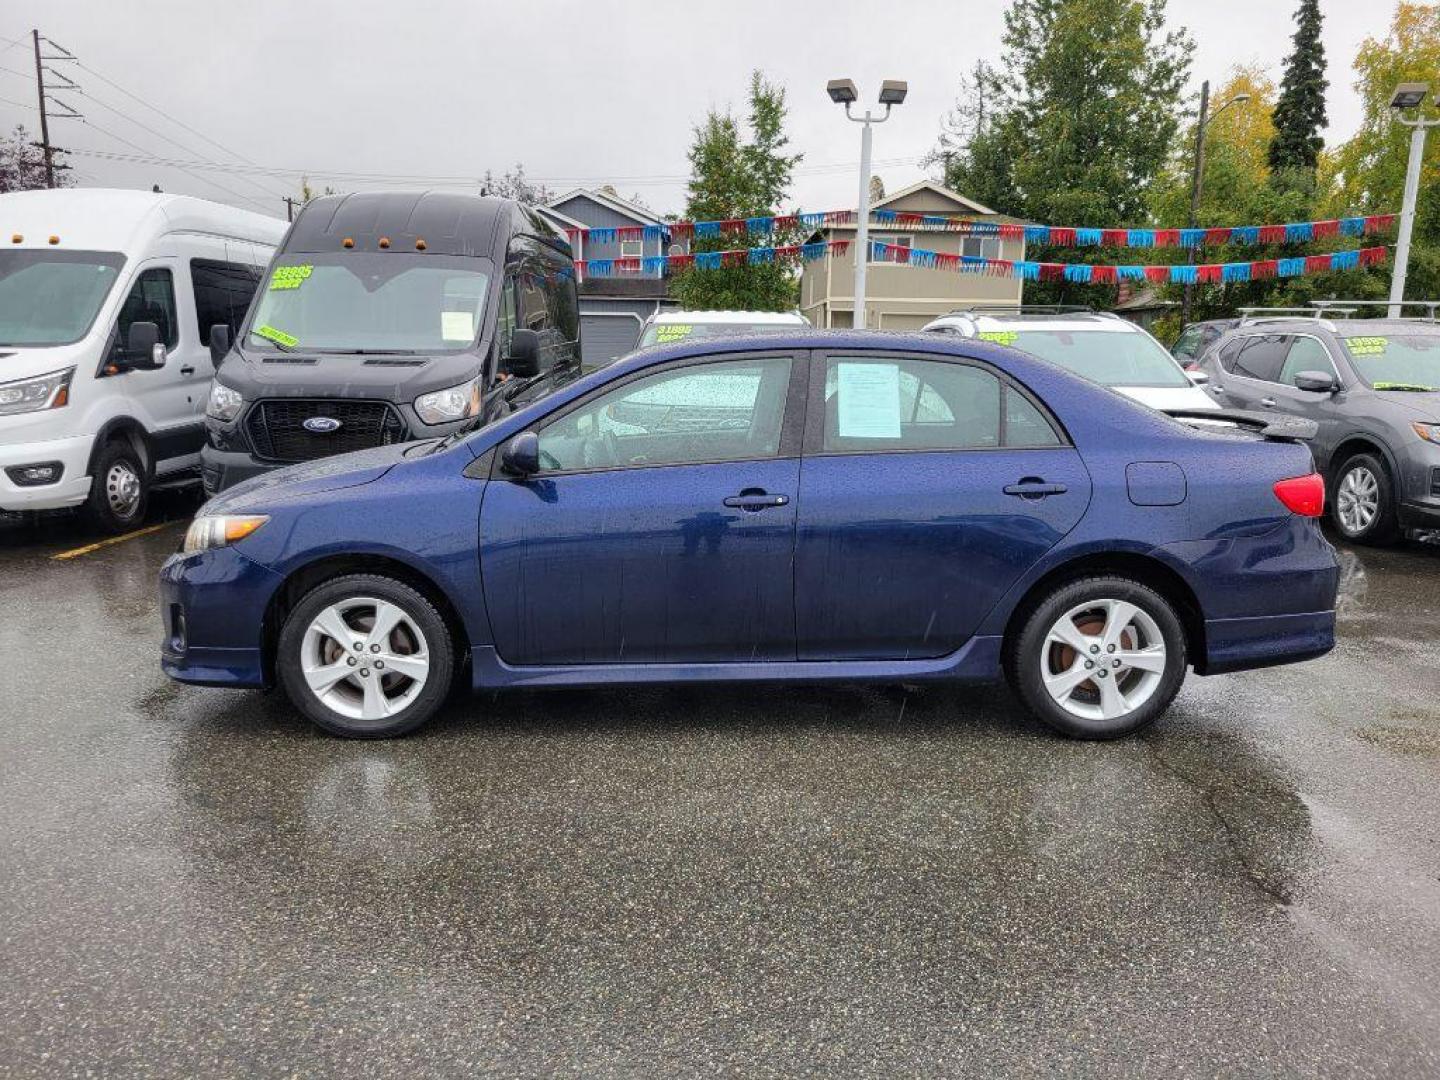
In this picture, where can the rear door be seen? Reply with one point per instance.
(929, 485)
(1252, 371)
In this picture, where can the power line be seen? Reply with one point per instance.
(144, 152)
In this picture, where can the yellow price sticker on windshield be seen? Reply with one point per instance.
(1000, 337)
(280, 337)
(1367, 346)
(290, 277)
(672, 332)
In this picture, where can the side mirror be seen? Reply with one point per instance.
(1199, 378)
(521, 456)
(219, 342)
(1317, 382)
(523, 360)
(143, 349)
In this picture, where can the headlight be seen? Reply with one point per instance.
(224, 403)
(456, 403)
(1428, 432)
(31, 395)
(221, 530)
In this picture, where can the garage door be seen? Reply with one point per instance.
(604, 337)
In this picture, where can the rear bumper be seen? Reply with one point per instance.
(213, 608)
(1266, 640)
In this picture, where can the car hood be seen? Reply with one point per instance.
(308, 478)
(1424, 406)
(25, 362)
(1169, 397)
(343, 375)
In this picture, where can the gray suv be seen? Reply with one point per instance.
(1373, 386)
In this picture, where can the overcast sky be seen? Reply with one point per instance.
(582, 93)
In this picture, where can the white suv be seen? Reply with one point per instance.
(1100, 346)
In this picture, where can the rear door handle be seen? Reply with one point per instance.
(755, 501)
(1032, 488)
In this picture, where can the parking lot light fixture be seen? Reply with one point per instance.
(1408, 96)
(844, 92)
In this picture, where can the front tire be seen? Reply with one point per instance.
(1099, 658)
(366, 657)
(1363, 509)
(119, 488)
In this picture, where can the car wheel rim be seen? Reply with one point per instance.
(1103, 659)
(1358, 500)
(364, 658)
(122, 489)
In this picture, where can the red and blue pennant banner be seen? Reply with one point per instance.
(1295, 232)
(1084, 273)
(652, 265)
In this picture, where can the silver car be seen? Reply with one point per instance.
(1372, 386)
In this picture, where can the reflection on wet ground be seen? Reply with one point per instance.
(759, 881)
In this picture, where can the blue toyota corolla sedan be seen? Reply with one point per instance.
(798, 508)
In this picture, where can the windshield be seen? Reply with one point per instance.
(52, 297)
(371, 302)
(1106, 357)
(669, 333)
(1397, 362)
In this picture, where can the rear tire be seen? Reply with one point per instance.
(1099, 658)
(119, 488)
(1363, 508)
(358, 680)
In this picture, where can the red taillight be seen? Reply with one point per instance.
(1303, 495)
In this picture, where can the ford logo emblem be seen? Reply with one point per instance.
(321, 425)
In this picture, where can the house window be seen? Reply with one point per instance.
(898, 239)
(632, 249)
(983, 247)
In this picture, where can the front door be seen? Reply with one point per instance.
(661, 526)
(929, 486)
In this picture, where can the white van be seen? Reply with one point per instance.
(106, 302)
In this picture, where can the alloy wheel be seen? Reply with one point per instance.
(1103, 659)
(1358, 500)
(364, 658)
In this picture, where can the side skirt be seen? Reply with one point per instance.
(978, 660)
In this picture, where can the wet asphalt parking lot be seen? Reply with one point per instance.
(754, 882)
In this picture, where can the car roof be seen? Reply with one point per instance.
(778, 318)
(1340, 327)
(1069, 321)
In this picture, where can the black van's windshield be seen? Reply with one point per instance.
(371, 302)
(52, 297)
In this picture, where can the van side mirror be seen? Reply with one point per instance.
(1198, 377)
(521, 456)
(219, 342)
(523, 359)
(143, 349)
(1317, 382)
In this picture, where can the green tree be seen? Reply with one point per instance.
(22, 165)
(1300, 110)
(731, 177)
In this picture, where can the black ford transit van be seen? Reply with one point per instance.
(387, 317)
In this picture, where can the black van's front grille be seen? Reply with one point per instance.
(277, 428)
(1435, 483)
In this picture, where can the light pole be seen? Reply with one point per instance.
(1199, 168)
(1408, 96)
(843, 92)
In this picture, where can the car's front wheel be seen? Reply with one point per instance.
(1363, 508)
(365, 656)
(1099, 658)
(119, 488)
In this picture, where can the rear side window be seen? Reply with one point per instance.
(151, 299)
(223, 292)
(1262, 357)
(877, 404)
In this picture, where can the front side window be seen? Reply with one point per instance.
(52, 297)
(1306, 354)
(151, 299)
(1400, 362)
(904, 404)
(729, 411)
(1108, 357)
(371, 302)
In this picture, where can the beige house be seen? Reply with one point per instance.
(902, 297)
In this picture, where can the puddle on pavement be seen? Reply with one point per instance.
(1411, 741)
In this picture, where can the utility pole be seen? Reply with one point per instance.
(44, 120)
(1409, 96)
(289, 208)
(1195, 193)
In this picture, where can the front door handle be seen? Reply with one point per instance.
(753, 500)
(187, 370)
(1032, 487)
(1268, 402)
(1216, 388)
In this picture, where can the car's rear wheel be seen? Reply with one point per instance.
(1363, 508)
(366, 656)
(1099, 658)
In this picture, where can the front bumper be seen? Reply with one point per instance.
(213, 606)
(71, 489)
(1419, 516)
(221, 469)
